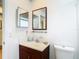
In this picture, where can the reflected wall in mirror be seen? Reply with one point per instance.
(22, 18)
(39, 19)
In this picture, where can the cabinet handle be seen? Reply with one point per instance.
(28, 57)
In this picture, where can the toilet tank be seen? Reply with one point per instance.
(63, 52)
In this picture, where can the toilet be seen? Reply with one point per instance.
(63, 52)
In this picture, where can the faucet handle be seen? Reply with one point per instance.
(30, 39)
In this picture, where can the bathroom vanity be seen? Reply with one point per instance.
(30, 52)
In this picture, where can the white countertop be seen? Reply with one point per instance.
(35, 45)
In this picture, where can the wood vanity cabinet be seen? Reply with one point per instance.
(28, 53)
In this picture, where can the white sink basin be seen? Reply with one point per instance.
(34, 45)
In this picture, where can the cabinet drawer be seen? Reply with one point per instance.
(29, 50)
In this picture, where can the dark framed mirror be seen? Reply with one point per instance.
(22, 17)
(39, 19)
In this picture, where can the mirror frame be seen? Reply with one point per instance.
(45, 18)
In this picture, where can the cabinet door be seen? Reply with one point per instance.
(24, 55)
(36, 57)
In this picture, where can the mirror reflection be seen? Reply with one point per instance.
(39, 19)
(22, 18)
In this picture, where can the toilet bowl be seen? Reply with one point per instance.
(63, 52)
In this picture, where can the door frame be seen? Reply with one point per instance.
(3, 29)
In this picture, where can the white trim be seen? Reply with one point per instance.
(3, 28)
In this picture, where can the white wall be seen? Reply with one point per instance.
(12, 35)
(77, 48)
(61, 17)
(62, 27)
